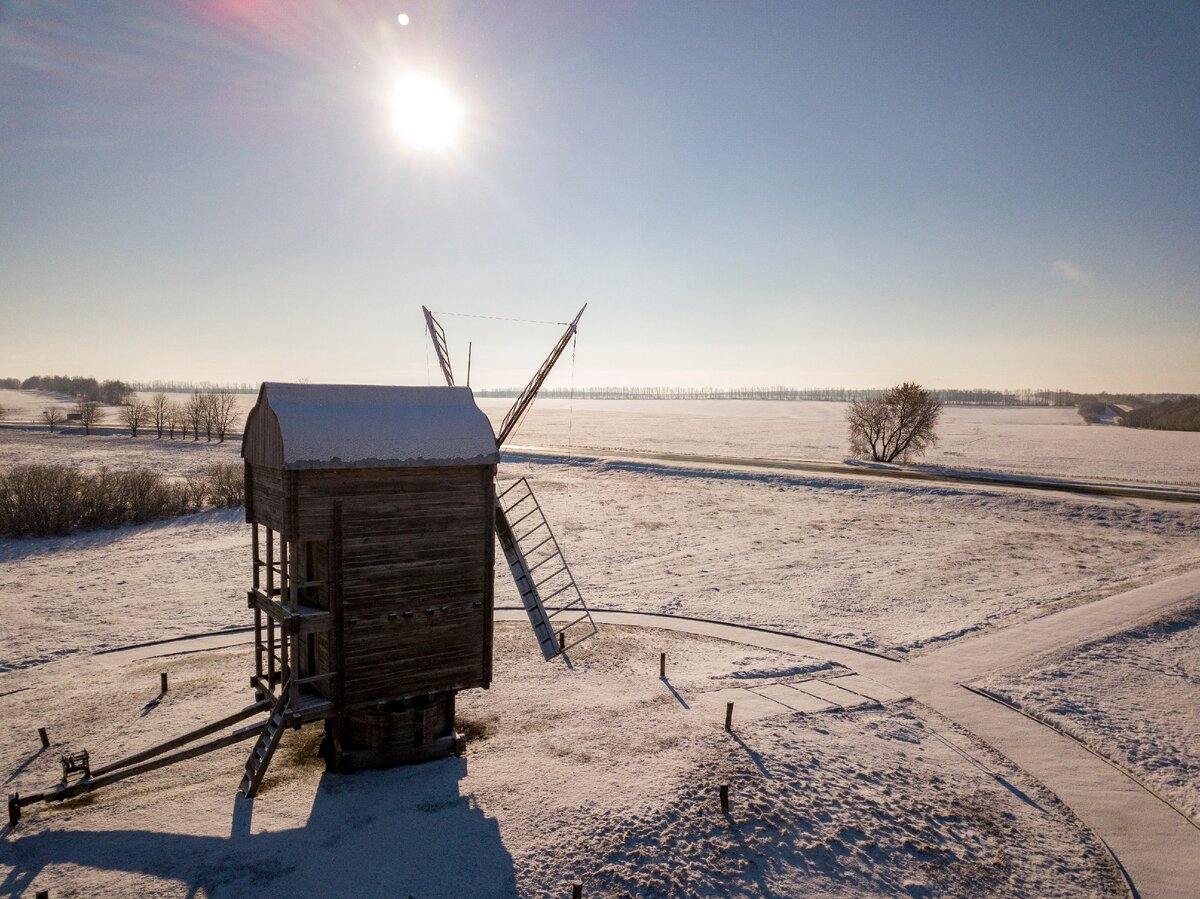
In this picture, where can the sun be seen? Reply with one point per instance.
(426, 115)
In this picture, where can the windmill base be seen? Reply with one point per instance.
(397, 732)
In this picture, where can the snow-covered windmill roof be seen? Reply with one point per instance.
(356, 426)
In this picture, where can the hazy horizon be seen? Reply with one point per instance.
(846, 194)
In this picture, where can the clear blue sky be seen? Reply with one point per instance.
(842, 193)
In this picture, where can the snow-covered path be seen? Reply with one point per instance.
(1157, 846)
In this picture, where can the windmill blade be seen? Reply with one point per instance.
(438, 336)
(513, 418)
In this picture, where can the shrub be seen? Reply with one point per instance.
(38, 500)
(226, 484)
(1091, 409)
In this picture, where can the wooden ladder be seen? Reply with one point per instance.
(265, 746)
(541, 572)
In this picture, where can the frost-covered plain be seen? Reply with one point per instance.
(1041, 441)
(877, 563)
(597, 772)
(1134, 696)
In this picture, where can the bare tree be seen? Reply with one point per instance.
(52, 416)
(193, 411)
(174, 420)
(900, 424)
(208, 414)
(224, 411)
(135, 414)
(160, 406)
(90, 414)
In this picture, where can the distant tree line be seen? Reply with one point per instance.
(1170, 415)
(191, 386)
(1091, 409)
(956, 397)
(114, 393)
(1160, 411)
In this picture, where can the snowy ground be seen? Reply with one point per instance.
(1040, 441)
(880, 564)
(599, 772)
(1134, 696)
(116, 451)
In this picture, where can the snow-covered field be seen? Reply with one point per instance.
(865, 802)
(599, 772)
(177, 458)
(878, 563)
(1134, 696)
(1041, 441)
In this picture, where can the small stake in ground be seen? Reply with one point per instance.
(662, 664)
(576, 889)
(45, 737)
(725, 799)
(729, 716)
(43, 894)
(162, 679)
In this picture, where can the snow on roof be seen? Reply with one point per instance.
(358, 426)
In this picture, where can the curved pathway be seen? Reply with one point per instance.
(1157, 846)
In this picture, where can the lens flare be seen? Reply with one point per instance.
(427, 115)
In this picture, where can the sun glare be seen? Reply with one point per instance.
(427, 115)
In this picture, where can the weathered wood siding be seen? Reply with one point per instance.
(262, 442)
(266, 497)
(417, 560)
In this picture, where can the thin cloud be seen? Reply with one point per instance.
(1069, 271)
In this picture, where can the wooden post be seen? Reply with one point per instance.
(270, 563)
(662, 665)
(45, 737)
(256, 578)
(725, 799)
(576, 889)
(729, 716)
(43, 894)
(162, 681)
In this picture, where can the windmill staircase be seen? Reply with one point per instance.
(265, 746)
(538, 567)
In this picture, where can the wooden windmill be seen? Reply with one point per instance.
(374, 513)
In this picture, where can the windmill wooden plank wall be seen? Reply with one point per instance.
(381, 500)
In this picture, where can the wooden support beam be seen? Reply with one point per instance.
(183, 739)
(87, 786)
